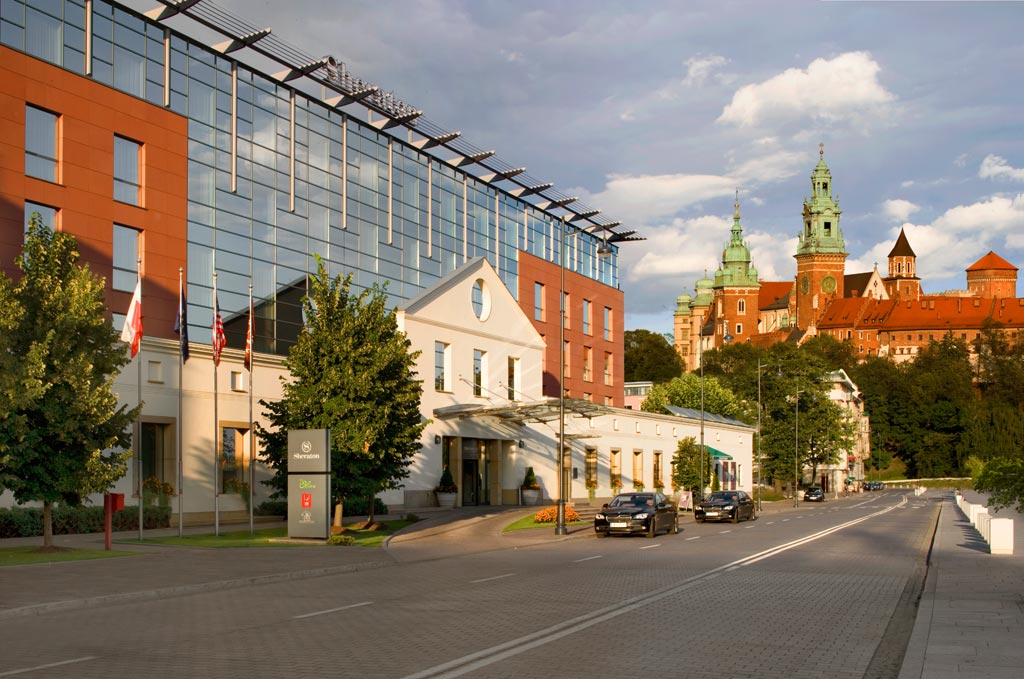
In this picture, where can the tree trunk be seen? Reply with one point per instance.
(47, 524)
(369, 518)
(338, 508)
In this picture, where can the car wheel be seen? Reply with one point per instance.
(653, 530)
(736, 515)
(602, 535)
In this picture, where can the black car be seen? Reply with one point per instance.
(646, 513)
(725, 505)
(814, 494)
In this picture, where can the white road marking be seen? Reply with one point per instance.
(695, 537)
(488, 656)
(589, 558)
(496, 577)
(331, 610)
(651, 546)
(11, 673)
(724, 531)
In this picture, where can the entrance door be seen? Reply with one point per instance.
(470, 482)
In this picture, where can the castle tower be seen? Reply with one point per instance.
(902, 281)
(736, 288)
(681, 330)
(821, 252)
(991, 277)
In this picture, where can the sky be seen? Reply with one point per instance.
(656, 112)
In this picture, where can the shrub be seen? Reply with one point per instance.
(530, 480)
(272, 508)
(341, 539)
(360, 506)
(24, 522)
(550, 515)
(447, 483)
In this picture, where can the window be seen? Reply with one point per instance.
(739, 328)
(479, 368)
(47, 215)
(588, 364)
(513, 378)
(608, 324)
(126, 258)
(586, 317)
(233, 456)
(127, 184)
(608, 368)
(538, 301)
(565, 310)
(638, 467)
(442, 360)
(657, 469)
(40, 144)
(157, 453)
(615, 469)
(741, 306)
(590, 470)
(566, 351)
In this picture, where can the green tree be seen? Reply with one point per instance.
(648, 356)
(59, 355)
(685, 392)
(686, 466)
(1003, 479)
(351, 371)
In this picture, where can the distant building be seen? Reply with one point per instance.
(880, 316)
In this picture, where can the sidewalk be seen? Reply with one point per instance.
(970, 622)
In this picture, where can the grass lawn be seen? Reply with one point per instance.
(273, 537)
(21, 556)
(528, 522)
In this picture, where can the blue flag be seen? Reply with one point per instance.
(181, 322)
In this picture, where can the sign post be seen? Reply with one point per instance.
(309, 483)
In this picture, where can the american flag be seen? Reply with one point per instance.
(219, 340)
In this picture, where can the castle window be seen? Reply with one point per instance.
(741, 306)
(739, 328)
(828, 228)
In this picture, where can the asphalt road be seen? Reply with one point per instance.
(807, 593)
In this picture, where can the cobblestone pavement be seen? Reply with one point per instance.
(528, 603)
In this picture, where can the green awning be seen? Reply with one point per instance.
(717, 454)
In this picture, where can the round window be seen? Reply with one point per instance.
(481, 300)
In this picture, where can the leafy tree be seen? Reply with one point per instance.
(685, 392)
(351, 371)
(1003, 479)
(648, 356)
(59, 355)
(686, 466)
(1000, 364)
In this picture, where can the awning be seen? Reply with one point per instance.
(717, 454)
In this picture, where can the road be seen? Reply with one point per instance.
(805, 593)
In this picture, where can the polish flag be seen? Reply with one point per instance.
(132, 331)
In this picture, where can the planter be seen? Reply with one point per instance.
(530, 496)
(446, 500)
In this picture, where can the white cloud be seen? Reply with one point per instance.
(961, 160)
(771, 167)
(829, 89)
(677, 249)
(898, 209)
(996, 167)
(699, 69)
(644, 199)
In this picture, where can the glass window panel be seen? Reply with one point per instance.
(44, 35)
(126, 171)
(40, 144)
(125, 258)
(47, 214)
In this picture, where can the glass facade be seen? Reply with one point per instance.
(40, 144)
(275, 176)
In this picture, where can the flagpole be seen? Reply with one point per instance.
(249, 346)
(216, 431)
(183, 335)
(138, 418)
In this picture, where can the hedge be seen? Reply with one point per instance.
(24, 522)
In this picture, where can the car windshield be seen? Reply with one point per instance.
(722, 497)
(632, 501)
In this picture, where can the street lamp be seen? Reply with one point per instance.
(603, 250)
(726, 338)
(796, 450)
(760, 487)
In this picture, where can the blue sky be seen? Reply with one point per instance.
(656, 112)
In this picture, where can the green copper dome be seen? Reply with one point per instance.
(736, 270)
(821, 232)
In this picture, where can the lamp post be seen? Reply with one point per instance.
(560, 527)
(759, 486)
(703, 450)
(796, 450)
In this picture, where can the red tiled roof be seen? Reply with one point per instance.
(773, 292)
(991, 261)
(856, 283)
